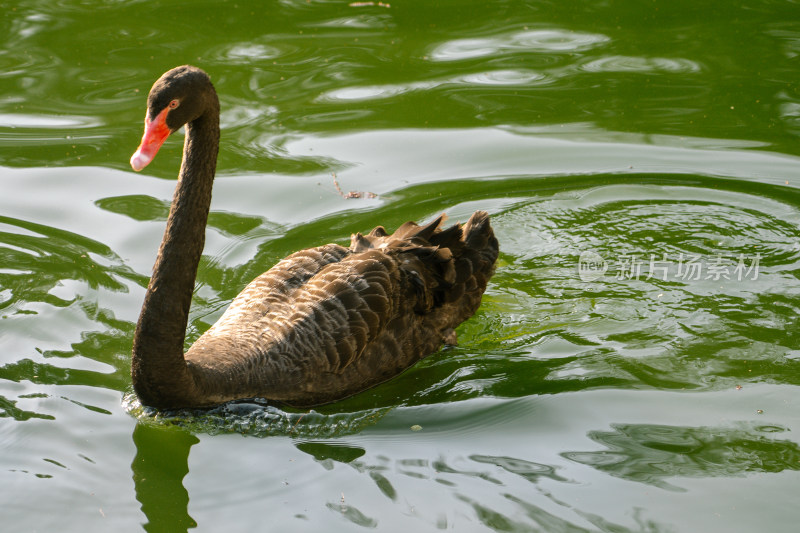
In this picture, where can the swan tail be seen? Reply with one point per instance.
(447, 269)
(475, 249)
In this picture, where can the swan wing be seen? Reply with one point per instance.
(328, 322)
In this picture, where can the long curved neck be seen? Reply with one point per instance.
(159, 371)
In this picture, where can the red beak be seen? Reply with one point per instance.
(155, 133)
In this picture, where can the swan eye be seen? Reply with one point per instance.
(173, 104)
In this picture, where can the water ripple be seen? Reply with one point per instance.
(257, 418)
(641, 64)
(654, 454)
(672, 270)
(245, 53)
(15, 120)
(554, 41)
(362, 21)
(23, 62)
(503, 77)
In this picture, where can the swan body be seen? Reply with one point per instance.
(322, 324)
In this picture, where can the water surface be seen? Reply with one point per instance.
(633, 365)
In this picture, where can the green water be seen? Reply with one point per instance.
(654, 144)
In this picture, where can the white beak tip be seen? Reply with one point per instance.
(139, 160)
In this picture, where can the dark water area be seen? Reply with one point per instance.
(633, 366)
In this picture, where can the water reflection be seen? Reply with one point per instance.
(352, 514)
(40, 257)
(160, 465)
(529, 470)
(292, 54)
(142, 207)
(663, 337)
(325, 453)
(47, 272)
(503, 493)
(9, 409)
(655, 454)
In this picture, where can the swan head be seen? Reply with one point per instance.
(179, 96)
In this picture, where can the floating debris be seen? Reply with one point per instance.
(370, 4)
(351, 194)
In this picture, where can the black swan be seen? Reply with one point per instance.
(322, 324)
